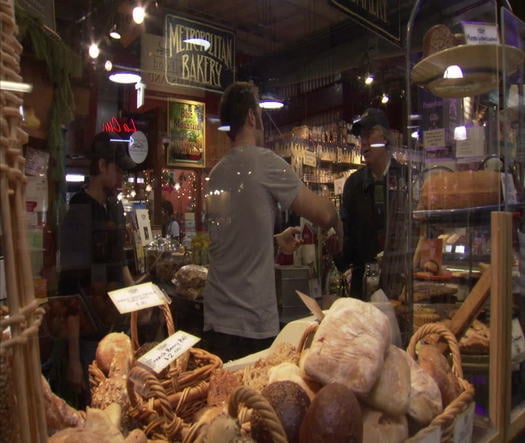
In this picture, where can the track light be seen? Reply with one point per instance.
(385, 98)
(94, 50)
(269, 101)
(369, 79)
(138, 14)
(114, 32)
(108, 66)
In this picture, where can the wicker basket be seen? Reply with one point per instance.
(446, 420)
(241, 405)
(165, 404)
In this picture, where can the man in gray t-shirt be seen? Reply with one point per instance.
(244, 189)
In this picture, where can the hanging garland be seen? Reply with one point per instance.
(62, 64)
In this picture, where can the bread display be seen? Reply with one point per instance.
(350, 345)
(476, 339)
(460, 189)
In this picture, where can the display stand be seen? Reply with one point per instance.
(491, 78)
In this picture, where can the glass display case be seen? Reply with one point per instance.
(466, 130)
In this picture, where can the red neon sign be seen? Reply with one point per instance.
(114, 125)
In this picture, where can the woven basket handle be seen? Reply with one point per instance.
(443, 332)
(170, 324)
(252, 399)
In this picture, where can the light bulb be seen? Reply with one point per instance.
(108, 66)
(138, 14)
(369, 79)
(385, 99)
(94, 50)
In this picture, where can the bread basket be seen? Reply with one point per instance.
(446, 419)
(241, 405)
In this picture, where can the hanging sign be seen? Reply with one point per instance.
(114, 125)
(198, 55)
(379, 16)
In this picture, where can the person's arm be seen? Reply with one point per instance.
(318, 210)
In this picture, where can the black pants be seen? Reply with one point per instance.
(231, 347)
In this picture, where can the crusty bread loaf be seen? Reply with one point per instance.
(391, 392)
(437, 38)
(349, 346)
(115, 345)
(288, 371)
(460, 189)
(425, 397)
(435, 363)
(379, 427)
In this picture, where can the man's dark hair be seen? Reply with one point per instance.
(167, 207)
(110, 147)
(238, 99)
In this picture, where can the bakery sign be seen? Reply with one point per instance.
(198, 55)
(379, 16)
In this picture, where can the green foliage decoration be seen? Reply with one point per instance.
(62, 64)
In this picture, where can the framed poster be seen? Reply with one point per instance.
(186, 133)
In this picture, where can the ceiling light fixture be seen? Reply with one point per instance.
(199, 42)
(94, 50)
(125, 78)
(369, 79)
(114, 33)
(108, 66)
(224, 128)
(139, 13)
(385, 98)
(268, 101)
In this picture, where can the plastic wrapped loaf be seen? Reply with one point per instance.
(190, 280)
(461, 189)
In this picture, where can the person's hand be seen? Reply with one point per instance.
(334, 240)
(288, 240)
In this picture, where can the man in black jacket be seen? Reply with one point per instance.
(373, 209)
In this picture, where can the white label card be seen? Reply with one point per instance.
(434, 138)
(312, 305)
(518, 342)
(168, 350)
(480, 33)
(309, 159)
(135, 298)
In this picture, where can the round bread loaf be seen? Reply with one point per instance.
(290, 402)
(113, 345)
(334, 416)
(437, 38)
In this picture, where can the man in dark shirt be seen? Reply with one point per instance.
(92, 256)
(373, 208)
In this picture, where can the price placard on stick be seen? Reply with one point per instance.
(167, 351)
(135, 298)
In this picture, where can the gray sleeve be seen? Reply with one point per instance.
(279, 179)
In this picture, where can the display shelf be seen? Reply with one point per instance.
(481, 66)
(476, 214)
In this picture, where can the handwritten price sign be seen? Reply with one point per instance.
(135, 298)
(168, 350)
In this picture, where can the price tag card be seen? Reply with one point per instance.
(463, 425)
(135, 298)
(518, 342)
(477, 33)
(168, 350)
(434, 138)
(309, 159)
(312, 305)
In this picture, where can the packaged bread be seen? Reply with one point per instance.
(349, 346)
(391, 392)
